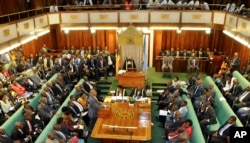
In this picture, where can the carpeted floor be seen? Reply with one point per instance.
(152, 77)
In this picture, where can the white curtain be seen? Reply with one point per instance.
(135, 52)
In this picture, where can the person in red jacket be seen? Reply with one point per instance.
(20, 90)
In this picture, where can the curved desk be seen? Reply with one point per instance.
(120, 122)
(132, 79)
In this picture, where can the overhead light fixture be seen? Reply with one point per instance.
(207, 31)
(242, 41)
(5, 50)
(228, 33)
(104, 28)
(92, 30)
(43, 33)
(163, 28)
(178, 31)
(66, 31)
(237, 38)
(195, 28)
(28, 39)
(74, 28)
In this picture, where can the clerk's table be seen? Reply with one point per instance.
(124, 122)
(132, 79)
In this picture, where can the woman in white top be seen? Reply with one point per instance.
(229, 82)
(175, 81)
(5, 104)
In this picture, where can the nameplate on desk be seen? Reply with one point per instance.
(119, 98)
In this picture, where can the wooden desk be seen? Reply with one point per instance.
(180, 64)
(123, 123)
(132, 79)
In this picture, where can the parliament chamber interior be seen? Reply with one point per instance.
(109, 71)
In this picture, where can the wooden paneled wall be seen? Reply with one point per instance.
(57, 39)
(167, 39)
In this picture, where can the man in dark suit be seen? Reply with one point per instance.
(5, 138)
(94, 106)
(101, 66)
(29, 127)
(193, 64)
(18, 134)
(206, 116)
(222, 135)
(233, 92)
(111, 63)
(242, 100)
(138, 93)
(59, 135)
(44, 110)
(235, 64)
(177, 122)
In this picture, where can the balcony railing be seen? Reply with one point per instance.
(29, 13)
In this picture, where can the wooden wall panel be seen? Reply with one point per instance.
(100, 38)
(111, 40)
(157, 43)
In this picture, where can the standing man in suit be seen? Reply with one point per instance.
(206, 116)
(222, 135)
(235, 64)
(193, 64)
(44, 111)
(94, 106)
(167, 63)
(101, 66)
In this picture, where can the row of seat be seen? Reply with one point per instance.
(17, 116)
(42, 137)
(223, 111)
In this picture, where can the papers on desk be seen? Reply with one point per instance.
(141, 99)
(164, 112)
(159, 91)
(78, 127)
(112, 91)
(12, 108)
(121, 71)
(119, 98)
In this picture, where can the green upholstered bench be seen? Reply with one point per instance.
(43, 136)
(17, 116)
(197, 136)
(242, 80)
(223, 110)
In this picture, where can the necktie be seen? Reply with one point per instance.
(193, 62)
(59, 87)
(29, 124)
(243, 96)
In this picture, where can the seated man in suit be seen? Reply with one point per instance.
(193, 64)
(44, 110)
(206, 116)
(138, 93)
(167, 62)
(120, 91)
(129, 63)
(18, 134)
(242, 100)
(233, 92)
(222, 135)
(4, 137)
